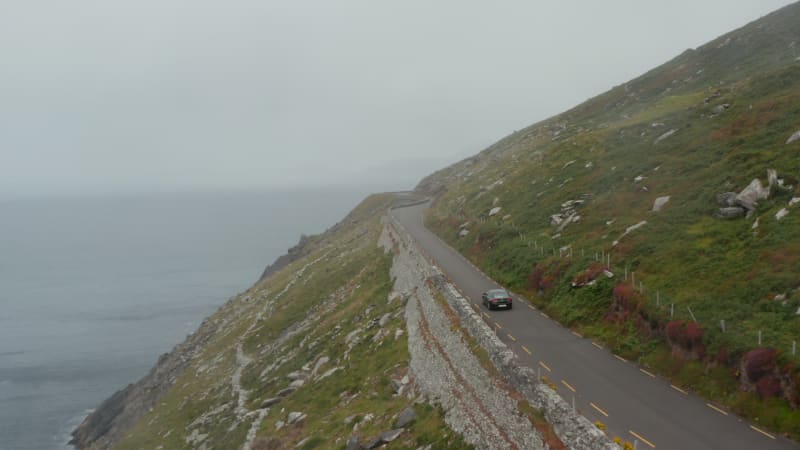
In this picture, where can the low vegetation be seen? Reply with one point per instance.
(689, 294)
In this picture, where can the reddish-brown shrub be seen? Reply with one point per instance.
(694, 334)
(674, 330)
(758, 363)
(768, 387)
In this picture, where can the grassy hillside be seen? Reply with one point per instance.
(317, 319)
(705, 123)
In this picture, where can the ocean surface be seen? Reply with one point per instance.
(93, 290)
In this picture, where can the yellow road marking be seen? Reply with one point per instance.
(716, 409)
(597, 345)
(545, 366)
(647, 373)
(763, 432)
(512, 337)
(531, 307)
(526, 350)
(544, 315)
(642, 439)
(577, 334)
(564, 382)
(598, 409)
(487, 315)
(620, 358)
(678, 389)
(499, 327)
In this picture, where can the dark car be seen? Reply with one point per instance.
(495, 298)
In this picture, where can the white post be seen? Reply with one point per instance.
(759, 337)
(722, 325)
(691, 313)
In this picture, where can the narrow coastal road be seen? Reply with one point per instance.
(633, 403)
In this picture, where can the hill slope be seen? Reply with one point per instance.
(655, 178)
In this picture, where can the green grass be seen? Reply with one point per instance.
(721, 270)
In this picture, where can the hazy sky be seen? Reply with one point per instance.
(106, 95)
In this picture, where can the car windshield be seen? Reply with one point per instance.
(498, 293)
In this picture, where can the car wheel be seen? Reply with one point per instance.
(489, 306)
(510, 306)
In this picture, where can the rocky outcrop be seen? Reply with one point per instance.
(105, 425)
(733, 205)
(659, 203)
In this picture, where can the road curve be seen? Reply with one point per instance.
(634, 404)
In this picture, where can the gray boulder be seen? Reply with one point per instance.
(353, 442)
(295, 417)
(660, 202)
(750, 196)
(371, 443)
(727, 199)
(405, 418)
(389, 436)
(793, 138)
(732, 212)
(270, 401)
(385, 319)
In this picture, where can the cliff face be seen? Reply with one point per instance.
(121, 411)
(316, 354)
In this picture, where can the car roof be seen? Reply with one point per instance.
(497, 292)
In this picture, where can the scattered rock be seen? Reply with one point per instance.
(279, 424)
(385, 319)
(628, 230)
(494, 211)
(781, 214)
(405, 418)
(638, 179)
(389, 436)
(270, 401)
(297, 383)
(295, 417)
(750, 196)
(719, 109)
(755, 224)
(353, 443)
(665, 135)
(793, 138)
(371, 443)
(660, 202)
(328, 373)
(794, 201)
(463, 233)
(284, 392)
(733, 212)
(321, 361)
(293, 376)
(727, 199)
(506, 217)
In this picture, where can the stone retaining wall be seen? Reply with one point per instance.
(577, 432)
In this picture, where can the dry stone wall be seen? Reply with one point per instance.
(411, 271)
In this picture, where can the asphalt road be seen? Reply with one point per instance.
(634, 404)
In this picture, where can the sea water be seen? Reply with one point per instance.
(94, 289)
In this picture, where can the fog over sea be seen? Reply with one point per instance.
(94, 289)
